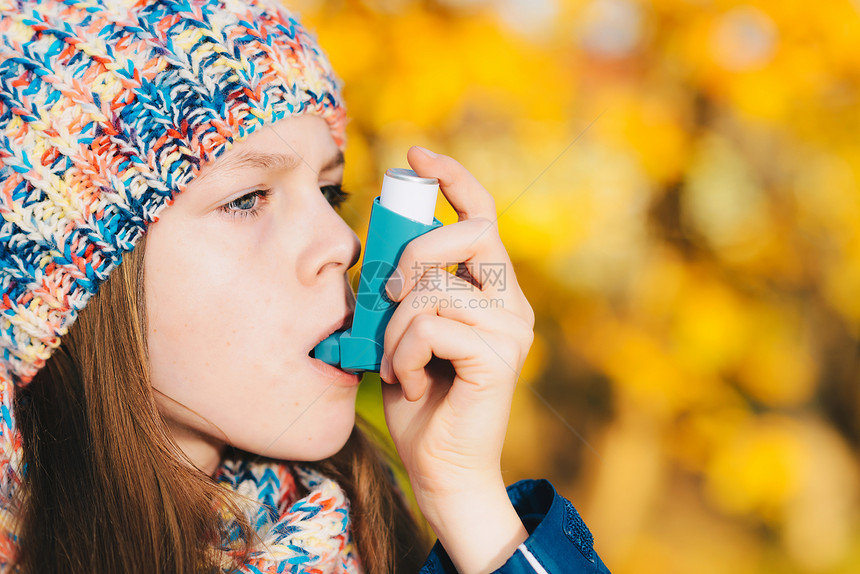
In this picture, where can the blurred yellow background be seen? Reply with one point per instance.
(677, 183)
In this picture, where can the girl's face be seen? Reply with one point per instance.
(245, 273)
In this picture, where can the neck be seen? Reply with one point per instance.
(204, 451)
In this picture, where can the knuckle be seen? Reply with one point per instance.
(523, 333)
(407, 257)
(529, 339)
(481, 223)
(487, 233)
(491, 203)
(423, 325)
(529, 315)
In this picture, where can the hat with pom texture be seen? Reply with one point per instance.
(108, 109)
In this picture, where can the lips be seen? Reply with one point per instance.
(344, 322)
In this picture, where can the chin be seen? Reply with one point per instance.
(320, 442)
(323, 453)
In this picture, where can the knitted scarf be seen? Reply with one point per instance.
(310, 534)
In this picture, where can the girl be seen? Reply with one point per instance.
(170, 256)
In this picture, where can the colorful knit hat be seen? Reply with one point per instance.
(108, 109)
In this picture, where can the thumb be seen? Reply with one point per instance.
(465, 194)
(422, 159)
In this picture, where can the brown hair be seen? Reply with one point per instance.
(108, 490)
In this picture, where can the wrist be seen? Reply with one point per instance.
(479, 529)
(453, 485)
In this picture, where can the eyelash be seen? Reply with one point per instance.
(336, 196)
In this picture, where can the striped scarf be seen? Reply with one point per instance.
(309, 535)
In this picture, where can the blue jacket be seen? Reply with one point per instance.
(558, 542)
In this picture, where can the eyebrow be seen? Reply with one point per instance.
(271, 161)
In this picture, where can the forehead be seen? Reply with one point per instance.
(281, 146)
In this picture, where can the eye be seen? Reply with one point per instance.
(249, 205)
(335, 194)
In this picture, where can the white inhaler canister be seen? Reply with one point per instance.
(406, 193)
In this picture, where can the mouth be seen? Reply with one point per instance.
(340, 325)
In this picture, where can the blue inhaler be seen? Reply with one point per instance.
(403, 210)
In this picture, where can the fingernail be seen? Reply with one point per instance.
(384, 369)
(426, 151)
(394, 285)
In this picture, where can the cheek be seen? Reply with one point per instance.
(202, 302)
(219, 315)
(180, 296)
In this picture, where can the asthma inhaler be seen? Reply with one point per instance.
(403, 210)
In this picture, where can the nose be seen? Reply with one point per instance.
(331, 246)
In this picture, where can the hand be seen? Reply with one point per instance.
(456, 346)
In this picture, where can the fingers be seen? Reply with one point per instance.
(483, 255)
(460, 301)
(479, 357)
(465, 242)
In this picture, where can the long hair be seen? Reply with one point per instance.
(106, 487)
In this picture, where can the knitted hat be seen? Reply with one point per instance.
(108, 109)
